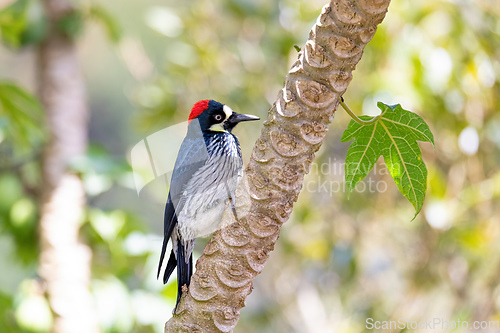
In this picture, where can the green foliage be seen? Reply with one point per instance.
(71, 24)
(22, 23)
(13, 21)
(7, 320)
(21, 134)
(393, 134)
(21, 117)
(18, 218)
(107, 20)
(99, 171)
(440, 57)
(240, 59)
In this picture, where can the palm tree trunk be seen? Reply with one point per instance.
(294, 131)
(64, 260)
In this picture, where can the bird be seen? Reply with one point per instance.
(206, 173)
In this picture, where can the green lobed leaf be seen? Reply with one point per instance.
(394, 135)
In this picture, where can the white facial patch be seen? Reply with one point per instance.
(220, 126)
(228, 111)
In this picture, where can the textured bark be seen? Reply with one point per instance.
(64, 260)
(293, 132)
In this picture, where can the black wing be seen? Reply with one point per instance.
(169, 222)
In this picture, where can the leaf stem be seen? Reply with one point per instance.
(353, 116)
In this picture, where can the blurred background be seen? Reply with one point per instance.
(338, 261)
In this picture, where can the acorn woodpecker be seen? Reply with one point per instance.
(206, 172)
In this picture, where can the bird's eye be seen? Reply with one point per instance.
(218, 117)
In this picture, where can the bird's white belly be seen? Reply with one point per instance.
(202, 216)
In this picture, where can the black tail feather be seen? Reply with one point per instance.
(184, 270)
(178, 257)
(190, 267)
(172, 263)
(162, 256)
(169, 222)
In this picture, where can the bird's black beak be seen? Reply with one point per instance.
(235, 118)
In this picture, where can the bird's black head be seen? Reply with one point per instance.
(217, 117)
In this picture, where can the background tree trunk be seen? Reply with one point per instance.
(64, 260)
(294, 130)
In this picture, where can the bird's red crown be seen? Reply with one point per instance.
(198, 109)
